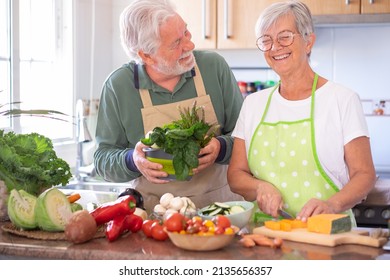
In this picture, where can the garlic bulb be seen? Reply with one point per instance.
(159, 209)
(165, 199)
(174, 204)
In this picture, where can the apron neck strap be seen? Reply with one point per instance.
(313, 92)
(198, 81)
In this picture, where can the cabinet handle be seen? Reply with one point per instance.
(346, 2)
(226, 18)
(371, 1)
(204, 19)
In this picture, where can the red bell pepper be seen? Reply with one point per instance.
(106, 212)
(121, 224)
(115, 227)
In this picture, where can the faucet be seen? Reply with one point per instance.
(82, 136)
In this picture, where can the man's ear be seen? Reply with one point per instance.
(146, 58)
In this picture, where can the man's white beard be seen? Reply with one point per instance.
(177, 69)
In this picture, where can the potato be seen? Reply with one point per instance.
(81, 227)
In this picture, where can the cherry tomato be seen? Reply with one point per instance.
(193, 228)
(147, 227)
(219, 230)
(175, 222)
(222, 221)
(158, 232)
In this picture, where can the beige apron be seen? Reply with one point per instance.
(204, 188)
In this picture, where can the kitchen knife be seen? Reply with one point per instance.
(285, 214)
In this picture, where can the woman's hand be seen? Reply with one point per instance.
(208, 155)
(314, 207)
(150, 170)
(269, 199)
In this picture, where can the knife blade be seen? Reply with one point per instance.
(285, 214)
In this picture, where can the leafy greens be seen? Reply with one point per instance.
(29, 162)
(183, 139)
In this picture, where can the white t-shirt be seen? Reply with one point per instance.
(338, 119)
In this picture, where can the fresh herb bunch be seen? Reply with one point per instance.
(183, 139)
(29, 162)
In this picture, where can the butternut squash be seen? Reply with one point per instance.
(329, 223)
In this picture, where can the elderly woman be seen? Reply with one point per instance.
(302, 145)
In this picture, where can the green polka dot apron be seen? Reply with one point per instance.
(284, 154)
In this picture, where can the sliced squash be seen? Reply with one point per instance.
(298, 224)
(285, 224)
(271, 224)
(329, 223)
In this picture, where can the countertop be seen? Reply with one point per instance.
(137, 247)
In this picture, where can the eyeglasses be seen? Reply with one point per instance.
(284, 38)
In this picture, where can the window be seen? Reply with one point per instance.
(36, 63)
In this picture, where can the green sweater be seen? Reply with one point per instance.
(120, 125)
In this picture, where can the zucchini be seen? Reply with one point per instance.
(236, 209)
(219, 208)
(221, 205)
(216, 212)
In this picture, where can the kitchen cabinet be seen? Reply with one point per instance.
(375, 6)
(230, 24)
(221, 24)
(201, 18)
(328, 7)
(337, 7)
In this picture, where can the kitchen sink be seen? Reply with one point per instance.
(94, 192)
(100, 186)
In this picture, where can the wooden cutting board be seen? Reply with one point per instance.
(358, 237)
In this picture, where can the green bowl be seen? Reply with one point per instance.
(159, 156)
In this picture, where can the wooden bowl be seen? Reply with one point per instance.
(194, 242)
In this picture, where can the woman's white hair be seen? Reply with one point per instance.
(300, 12)
(140, 23)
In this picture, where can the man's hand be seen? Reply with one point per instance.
(208, 155)
(150, 170)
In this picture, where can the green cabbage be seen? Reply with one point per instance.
(21, 209)
(28, 162)
(52, 210)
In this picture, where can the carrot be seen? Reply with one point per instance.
(247, 242)
(278, 242)
(73, 197)
(262, 240)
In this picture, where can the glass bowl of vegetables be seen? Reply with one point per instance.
(238, 212)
